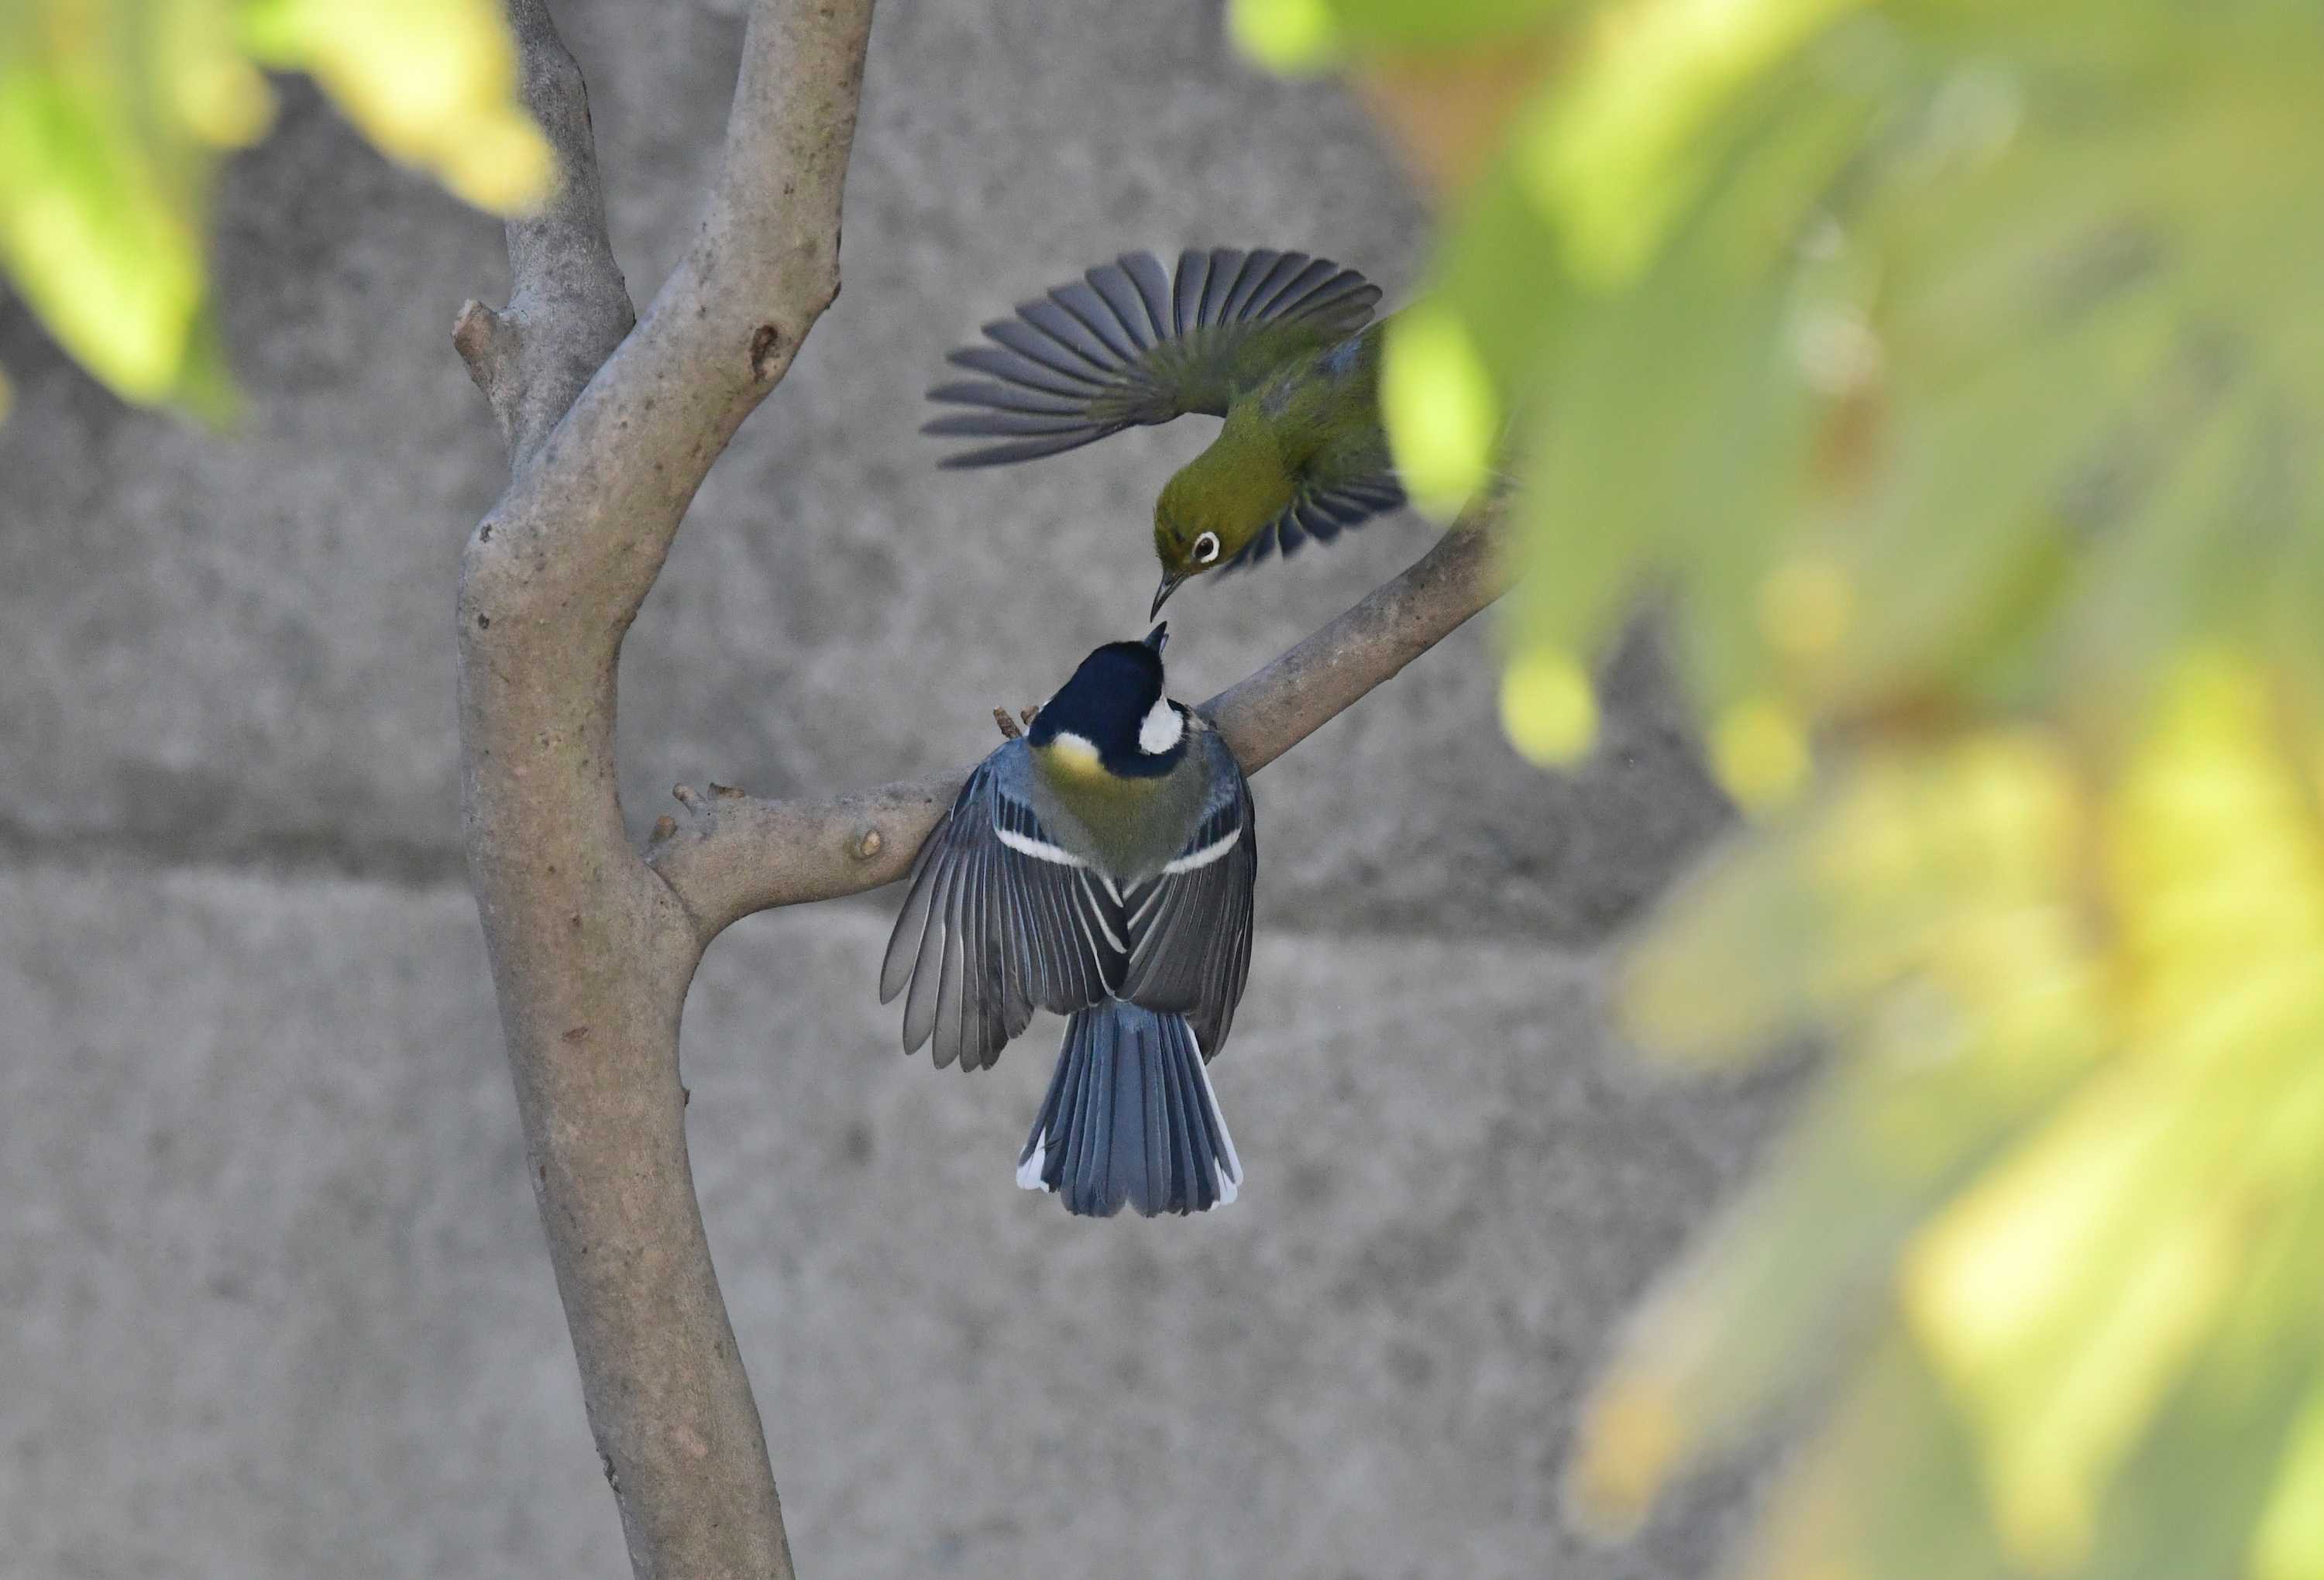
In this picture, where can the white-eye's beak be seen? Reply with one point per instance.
(1162, 593)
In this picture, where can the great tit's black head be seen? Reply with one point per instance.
(1111, 715)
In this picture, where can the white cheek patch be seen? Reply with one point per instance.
(1162, 729)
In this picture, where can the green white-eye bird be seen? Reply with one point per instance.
(1100, 866)
(1280, 345)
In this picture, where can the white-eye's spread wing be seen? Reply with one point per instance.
(1000, 920)
(1189, 928)
(1125, 345)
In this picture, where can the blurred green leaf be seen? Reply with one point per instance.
(1952, 372)
(100, 180)
(1881, 1488)
(1621, 150)
(2072, 1146)
(1306, 35)
(1968, 320)
(2290, 1541)
(114, 113)
(1549, 710)
(1437, 389)
(432, 82)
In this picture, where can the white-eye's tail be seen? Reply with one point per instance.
(1131, 1118)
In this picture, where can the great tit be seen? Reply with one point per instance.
(1100, 866)
(1280, 345)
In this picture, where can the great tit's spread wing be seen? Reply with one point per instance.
(1190, 926)
(1000, 920)
(1322, 512)
(1127, 345)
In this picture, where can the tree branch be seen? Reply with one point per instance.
(1268, 713)
(731, 856)
(610, 429)
(569, 307)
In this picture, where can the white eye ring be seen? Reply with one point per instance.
(1206, 548)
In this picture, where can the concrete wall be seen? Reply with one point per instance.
(273, 1298)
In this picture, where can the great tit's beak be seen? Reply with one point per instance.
(1155, 637)
(1162, 593)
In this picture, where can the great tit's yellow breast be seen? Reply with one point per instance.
(1135, 823)
(1084, 782)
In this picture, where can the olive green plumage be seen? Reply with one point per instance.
(1279, 345)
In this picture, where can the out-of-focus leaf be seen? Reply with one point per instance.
(1768, 1303)
(2077, 1106)
(1759, 751)
(1623, 147)
(1548, 710)
(2290, 1543)
(1807, 282)
(1307, 35)
(99, 202)
(1892, 1485)
(1952, 371)
(1926, 910)
(1598, 519)
(1434, 382)
(1959, 862)
(1882, 1489)
(114, 113)
(1447, 110)
(203, 77)
(2066, 1293)
(432, 82)
(206, 388)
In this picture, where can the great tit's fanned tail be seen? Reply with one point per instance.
(1000, 920)
(1125, 345)
(1322, 512)
(1131, 1118)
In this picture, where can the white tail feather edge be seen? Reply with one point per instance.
(1231, 1176)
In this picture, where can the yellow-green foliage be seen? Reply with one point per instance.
(1955, 368)
(114, 113)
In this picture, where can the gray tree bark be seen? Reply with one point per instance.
(611, 422)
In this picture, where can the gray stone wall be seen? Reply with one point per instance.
(273, 1300)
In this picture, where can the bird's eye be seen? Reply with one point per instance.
(1206, 548)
